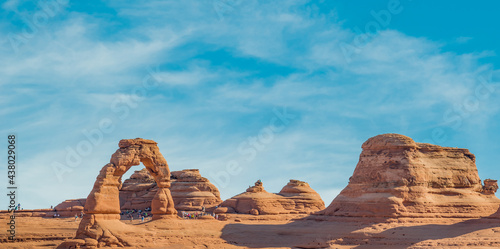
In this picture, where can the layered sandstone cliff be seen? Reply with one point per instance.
(296, 197)
(190, 191)
(396, 177)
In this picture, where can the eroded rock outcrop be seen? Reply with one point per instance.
(102, 206)
(490, 186)
(70, 208)
(396, 177)
(296, 197)
(190, 191)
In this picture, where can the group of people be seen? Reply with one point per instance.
(57, 215)
(188, 215)
(81, 216)
(196, 215)
(142, 215)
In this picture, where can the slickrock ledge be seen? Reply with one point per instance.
(397, 177)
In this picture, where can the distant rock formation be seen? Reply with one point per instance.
(138, 191)
(396, 177)
(296, 197)
(69, 208)
(190, 191)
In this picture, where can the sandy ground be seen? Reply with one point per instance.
(246, 231)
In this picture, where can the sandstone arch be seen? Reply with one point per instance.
(104, 197)
(102, 208)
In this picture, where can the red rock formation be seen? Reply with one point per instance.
(104, 197)
(303, 196)
(490, 186)
(396, 177)
(138, 191)
(190, 191)
(69, 208)
(102, 207)
(296, 197)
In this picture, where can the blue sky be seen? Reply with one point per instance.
(242, 90)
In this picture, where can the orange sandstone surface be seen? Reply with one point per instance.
(296, 197)
(267, 231)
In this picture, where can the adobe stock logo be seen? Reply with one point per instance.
(253, 145)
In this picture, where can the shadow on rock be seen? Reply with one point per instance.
(310, 232)
(313, 232)
(427, 235)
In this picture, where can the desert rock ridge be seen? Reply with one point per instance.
(397, 177)
(297, 197)
(402, 194)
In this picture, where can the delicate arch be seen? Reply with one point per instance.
(102, 208)
(104, 197)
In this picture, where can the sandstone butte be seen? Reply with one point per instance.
(397, 177)
(190, 191)
(295, 198)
